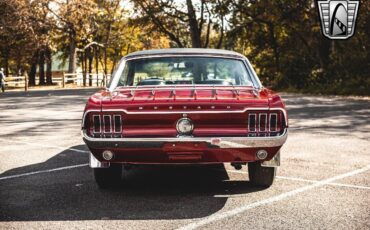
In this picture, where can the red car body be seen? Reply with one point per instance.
(229, 123)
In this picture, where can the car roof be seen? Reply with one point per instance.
(186, 51)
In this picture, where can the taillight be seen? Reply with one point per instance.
(117, 123)
(265, 123)
(107, 125)
(252, 122)
(273, 122)
(262, 122)
(96, 124)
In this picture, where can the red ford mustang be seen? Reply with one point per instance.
(185, 106)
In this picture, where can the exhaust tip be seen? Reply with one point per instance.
(237, 166)
(108, 155)
(261, 154)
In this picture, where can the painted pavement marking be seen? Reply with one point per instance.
(282, 196)
(310, 181)
(43, 171)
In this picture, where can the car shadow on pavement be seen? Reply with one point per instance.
(146, 192)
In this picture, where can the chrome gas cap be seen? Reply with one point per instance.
(184, 126)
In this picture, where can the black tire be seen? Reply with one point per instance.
(261, 176)
(108, 177)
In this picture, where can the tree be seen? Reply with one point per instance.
(25, 36)
(186, 22)
(43, 29)
(283, 39)
(16, 34)
(74, 18)
(118, 36)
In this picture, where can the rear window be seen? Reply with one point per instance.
(184, 71)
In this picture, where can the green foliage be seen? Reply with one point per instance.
(79, 31)
(157, 69)
(281, 38)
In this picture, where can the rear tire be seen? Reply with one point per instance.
(108, 177)
(261, 176)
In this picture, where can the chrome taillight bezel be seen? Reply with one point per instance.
(265, 122)
(109, 125)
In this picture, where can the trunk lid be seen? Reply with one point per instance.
(154, 111)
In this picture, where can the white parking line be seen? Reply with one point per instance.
(311, 181)
(43, 171)
(236, 211)
(47, 146)
(314, 181)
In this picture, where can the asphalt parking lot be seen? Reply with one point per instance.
(45, 181)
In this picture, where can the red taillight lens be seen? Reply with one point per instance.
(252, 120)
(107, 124)
(117, 123)
(273, 122)
(96, 124)
(262, 122)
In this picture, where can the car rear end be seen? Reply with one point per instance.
(185, 106)
(216, 134)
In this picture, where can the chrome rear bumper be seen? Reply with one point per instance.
(219, 142)
(213, 142)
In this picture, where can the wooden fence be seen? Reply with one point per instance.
(15, 82)
(99, 80)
